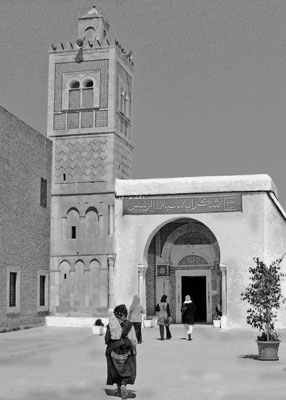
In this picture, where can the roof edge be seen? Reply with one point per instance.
(195, 185)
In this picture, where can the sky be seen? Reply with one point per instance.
(209, 93)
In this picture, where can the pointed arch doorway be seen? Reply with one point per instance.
(183, 258)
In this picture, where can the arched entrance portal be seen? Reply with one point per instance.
(184, 258)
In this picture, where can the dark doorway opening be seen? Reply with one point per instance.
(195, 286)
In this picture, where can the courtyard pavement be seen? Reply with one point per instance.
(52, 363)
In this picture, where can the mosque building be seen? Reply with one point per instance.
(113, 236)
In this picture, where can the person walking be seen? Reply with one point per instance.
(120, 352)
(188, 316)
(135, 313)
(164, 317)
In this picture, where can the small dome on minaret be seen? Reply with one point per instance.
(93, 11)
(92, 26)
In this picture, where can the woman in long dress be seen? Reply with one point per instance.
(120, 351)
(188, 316)
(164, 317)
(135, 313)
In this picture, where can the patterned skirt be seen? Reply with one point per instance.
(121, 366)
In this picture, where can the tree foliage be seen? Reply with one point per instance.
(264, 296)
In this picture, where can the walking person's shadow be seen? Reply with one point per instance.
(113, 392)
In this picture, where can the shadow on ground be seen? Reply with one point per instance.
(112, 392)
(250, 356)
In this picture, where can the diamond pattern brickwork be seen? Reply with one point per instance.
(123, 159)
(82, 159)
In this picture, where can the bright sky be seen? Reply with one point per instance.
(210, 78)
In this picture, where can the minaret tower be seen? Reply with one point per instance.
(89, 122)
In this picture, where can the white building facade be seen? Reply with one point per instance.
(113, 237)
(196, 236)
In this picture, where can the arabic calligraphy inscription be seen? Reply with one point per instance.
(182, 205)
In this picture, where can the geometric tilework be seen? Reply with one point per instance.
(94, 65)
(193, 260)
(81, 159)
(123, 159)
(163, 270)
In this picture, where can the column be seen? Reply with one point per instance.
(55, 277)
(141, 283)
(111, 263)
(223, 296)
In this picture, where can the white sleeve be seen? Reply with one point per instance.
(132, 337)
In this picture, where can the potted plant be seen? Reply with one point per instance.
(98, 327)
(149, 322)
(264, 296)
(217, 318)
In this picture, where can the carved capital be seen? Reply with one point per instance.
(111, 260)
(141, 268)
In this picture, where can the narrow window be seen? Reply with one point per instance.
(122, 102)
(42, 290)
(73, 232)
(12, 289)
(43, 193)
(125, 105)
(74, 95)
(64, 177)
(65, 276)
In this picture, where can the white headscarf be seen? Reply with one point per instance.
(114, 326)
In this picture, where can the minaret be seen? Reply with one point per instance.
(89, 122)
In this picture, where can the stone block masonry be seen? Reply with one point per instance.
(25, 159)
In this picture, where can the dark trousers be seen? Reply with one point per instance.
(137, 328)
(168, 333)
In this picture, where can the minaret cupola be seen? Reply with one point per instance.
(92, 26)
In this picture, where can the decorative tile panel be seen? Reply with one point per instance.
(101, 118)
(59, 121)
(100, 65)
(82, 159)
(163, 270)
(123, 159)
(73, 120)
(193, 259)
(87, 119)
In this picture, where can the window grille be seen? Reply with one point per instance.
(42, 290)
(43, 194)
(12, 289)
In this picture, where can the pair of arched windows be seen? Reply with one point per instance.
(81, 94)
(87, 229)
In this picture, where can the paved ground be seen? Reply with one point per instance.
(49, 363)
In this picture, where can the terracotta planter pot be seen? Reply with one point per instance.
(268, 350)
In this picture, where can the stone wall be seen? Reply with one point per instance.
(25, 158)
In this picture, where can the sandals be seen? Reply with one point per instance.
(124, 392)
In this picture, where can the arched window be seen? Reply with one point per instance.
(125, 104)
(122, 101)
(81, 91)
(65, 282)
(74, 95)
(79, 286)
(87, 93)
(92, 225)
(94, 283)
(72, 224)
(89, 33)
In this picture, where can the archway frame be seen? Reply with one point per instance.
(204, 270)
